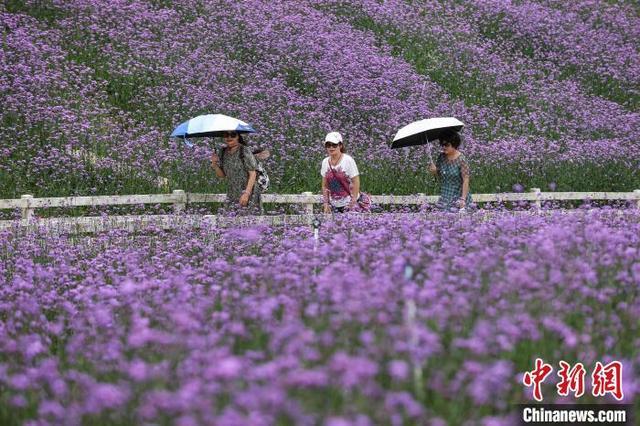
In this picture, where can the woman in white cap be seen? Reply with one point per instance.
(340, 176)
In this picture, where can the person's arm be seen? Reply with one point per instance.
(355, 191)
(433, 167)
(215, 163)
(250, 164)
(351, 168)
(326, 207)
(246, 194)
(464, 171)
(465, 190)
(326, 194)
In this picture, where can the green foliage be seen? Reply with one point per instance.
(423, 52)
(621, 92)
(304, 175)
(42, 10)
(295, 78)
(426, 56)
(614, 90)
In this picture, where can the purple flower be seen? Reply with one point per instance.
(52, 409)
(18, 401)
(398, 370)
(106, 396)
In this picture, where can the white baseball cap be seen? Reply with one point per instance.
(333, 137)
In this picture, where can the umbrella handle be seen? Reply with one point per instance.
(187, 142)
(426, 142)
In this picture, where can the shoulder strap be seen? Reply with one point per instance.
(241, 154)
(222, 158)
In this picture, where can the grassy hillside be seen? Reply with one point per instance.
(549, 91)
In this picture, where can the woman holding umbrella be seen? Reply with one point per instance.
(237, 164)
(452, 169)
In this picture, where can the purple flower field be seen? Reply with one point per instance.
(90, 90)
(386, 320)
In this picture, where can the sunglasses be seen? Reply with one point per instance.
(229, 134)
(331, 145)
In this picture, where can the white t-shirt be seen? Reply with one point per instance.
(338, 180)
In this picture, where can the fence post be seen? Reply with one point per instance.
(637, 192)
(308, 207)
(27, 211)
(180, 200)
(537, 203)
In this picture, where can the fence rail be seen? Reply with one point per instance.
(179, 199)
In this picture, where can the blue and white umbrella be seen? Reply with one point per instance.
(210, 125)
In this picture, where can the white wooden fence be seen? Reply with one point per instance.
(179, 199)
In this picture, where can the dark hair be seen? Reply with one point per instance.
(241, 140)
(450, 137)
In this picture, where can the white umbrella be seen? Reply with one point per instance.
(423, 131)
(210, 125)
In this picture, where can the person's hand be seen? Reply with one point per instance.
(352, 205)
(262, 155)
(462, 203)
(244, 199)
(215, 161)
(327, 208)
(433, 168)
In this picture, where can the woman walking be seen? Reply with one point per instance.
(237, 164)
(340, 177)
(452, 169)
